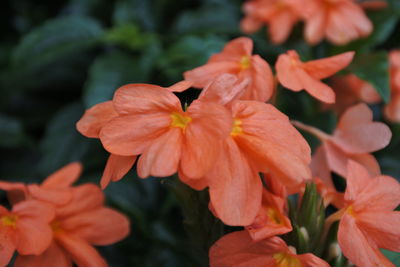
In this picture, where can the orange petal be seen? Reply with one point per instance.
(320, 167)
(81, 252)
(310, 260)
(34, 209)
(250, 25)
(64, 177)
(144, 99)
(34, 236)
(7, 246)
(288, 72)
(356, 247)
(203, 137)
(131, 135)
(203, 75)
(234, 50)
(116, 168)
(281, 25)
(57, 196)
(197, 184)
(180, 86)
(235, 187)
(315, 27)
(392, 110)
(357, 179)
(357, 114)
(326, 67)
(162, 157)
(95, 118)
(16, 192)
(262, 83)
(101, 226)
(54, 254)
(382, 227)
(85, 197)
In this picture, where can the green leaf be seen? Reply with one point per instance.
(108, 73)
(62, 143)
(55, 39)
(11, 132)
(127, 35)
(374, 68)
(136, 12)
(394, 257)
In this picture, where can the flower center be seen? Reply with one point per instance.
(245, 63)
(179, 120)
(9, 220)
(350, 211)
(237, 127)
(286, 260)
(56, 227)
(274, 216)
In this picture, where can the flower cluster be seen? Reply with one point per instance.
(57, 224)
(227, 137)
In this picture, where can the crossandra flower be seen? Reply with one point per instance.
(151, 122)
(367, 221)
(355, 137)
(297, 75)
(261, 140)
(25, 229)
(340, 21)
(392, 110)
(236, 58)
(279, 15)
(239, 250)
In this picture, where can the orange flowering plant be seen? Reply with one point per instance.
(221, 146)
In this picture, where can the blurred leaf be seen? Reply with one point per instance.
(127, 35)
(56, 38)
(136, 12)
(62, 143)
(374, 68)
(395, 6)
(11, 132)
(394, 257)
(108, 73)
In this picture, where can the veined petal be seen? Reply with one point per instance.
(180, 86)
(235, 187)
(356, 247)
(57, 196)
(357, 179)
(34, 236)
(203, 75)
(7, 246)
(357, 114)
(54, 254)
(95, 118)
(211, 124)
(289, 74)
(136, 99)
(262, 83)
(116, 168)
(326, 67)
(234, 50)
(64, 177)
(131, 135)
(162, 156)
(281, 25)
(34, 209)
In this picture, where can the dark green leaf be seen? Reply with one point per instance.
(394, 257)
(11, 132)
(127, 35)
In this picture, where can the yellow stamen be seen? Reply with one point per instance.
(274, 216)
(245, 62)
(56, 227)
(237, 127)
(286, 260)
(9, 220)
(350, 211)
(179, 120)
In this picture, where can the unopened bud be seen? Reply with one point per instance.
(334, 251)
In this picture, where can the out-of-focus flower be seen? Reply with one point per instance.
(355, 136)
(350, 90)
(340, 21)
(374, 4)
(236, 58)
(151, 122)
(240, 250)
(280, 15)
(368, 222)
(79, 225)
(26, 229)
(392, 110)
(261, 140)
(296, 75)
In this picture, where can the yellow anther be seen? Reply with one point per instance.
(237, 127)
(179, 120)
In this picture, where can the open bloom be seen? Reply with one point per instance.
(239, 250)
(355, 137)
(261, 139)
(26, 229)
(368, 222)
(340, 21)
(296, 75)
(151, 122)
(392, 110)
(77, 226)
(280, 15)
(237, 59)
(350, 90)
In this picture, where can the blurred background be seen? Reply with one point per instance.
(60, 57)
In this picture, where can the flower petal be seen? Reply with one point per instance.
(262, 83)
(326, 67)
(357, 179)
(203, 75)
(234, 50)
(34, 236)
(64, 177)
(54, 254)
(57, 196)
(116, 168)
(7, 246)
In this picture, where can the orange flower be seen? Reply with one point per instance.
(368, 221)
(355, 137)
(280, 15)
(296, 75)
(90, 126)
(340, 21)
(271, 219)
(261, 140)
(151, 122)
(78, 225)
(25, 229)
(374, 4)
(239, 250)
(237, 59)
(392, 110)
(350, 90)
